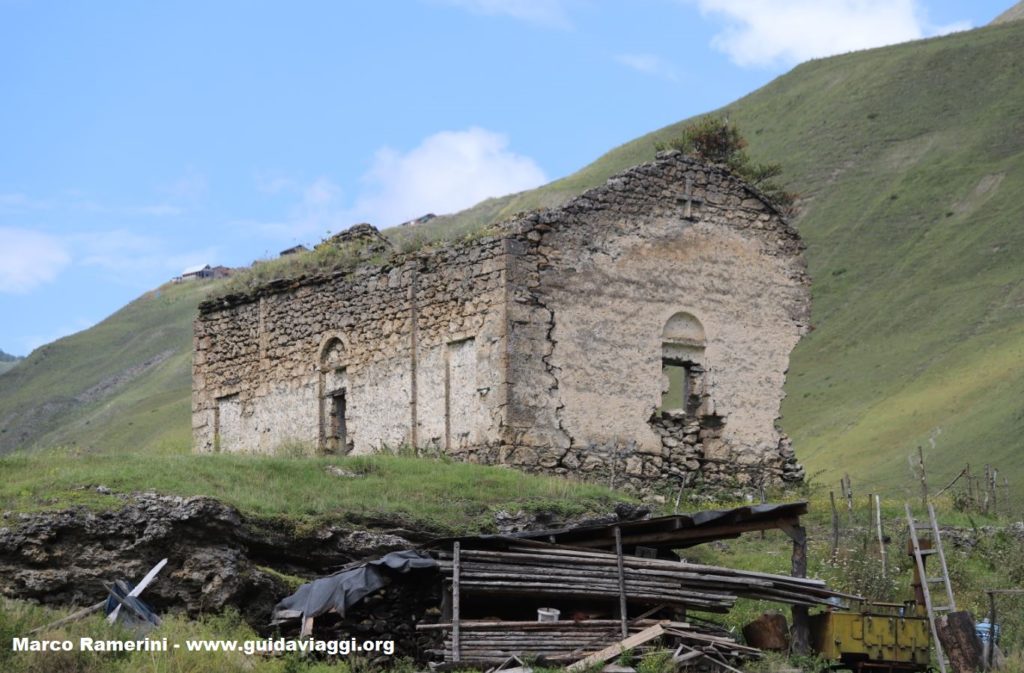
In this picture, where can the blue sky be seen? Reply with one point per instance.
(138, 138)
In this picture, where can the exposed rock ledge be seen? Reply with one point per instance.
(215, 553)
(65, 557)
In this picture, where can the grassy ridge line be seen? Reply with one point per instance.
(436, 495)
(124, 382)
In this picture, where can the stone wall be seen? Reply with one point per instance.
(595, 285)
(638, 336)
(415, 347)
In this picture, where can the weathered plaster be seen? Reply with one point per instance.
(541, 347)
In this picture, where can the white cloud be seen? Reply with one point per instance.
(191, 187)
(648, 64)
(126, 254)
(28, 259)
(773, 32)
(448, 171)
(18, 201)
(552, 13)
(147, 210)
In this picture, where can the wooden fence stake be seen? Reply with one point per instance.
(881, 537)
(622, 582)
(456, 607)
(924, 478)
(835, 526)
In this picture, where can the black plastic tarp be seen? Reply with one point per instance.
(344, 589)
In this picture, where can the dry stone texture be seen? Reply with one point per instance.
(639, 336)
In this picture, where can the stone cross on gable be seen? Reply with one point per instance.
(689, 200)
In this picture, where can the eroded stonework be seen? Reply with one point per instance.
(638, 335)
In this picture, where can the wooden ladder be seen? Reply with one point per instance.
(931, 608)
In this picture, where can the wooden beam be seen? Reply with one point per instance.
(622, 582)
(456, 607)
(688, 536)
(73, 617)
(801, 620)
(618, 648)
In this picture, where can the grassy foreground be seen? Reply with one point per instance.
(994, 558)
(436, 495)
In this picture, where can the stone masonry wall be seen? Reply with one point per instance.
(549, 347)
(593, 286)
(417, 346)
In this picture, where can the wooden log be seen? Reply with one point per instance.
(960, 642)
(73, 617)
(615, 650)
(605, 559)
(470, 625)
(516, 590)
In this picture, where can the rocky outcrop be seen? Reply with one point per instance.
(217, 557)
(215, 554)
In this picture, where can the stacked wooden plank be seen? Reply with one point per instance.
(550, 572)
(696, 647)
(487, 643)
(492, 642)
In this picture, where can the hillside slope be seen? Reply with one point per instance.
(1015, 13)
(125, 382)
(7, 361)
(910, 160)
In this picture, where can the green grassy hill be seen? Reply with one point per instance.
(125, 382)
(910, 161)
(7, 361)
(1015, 13)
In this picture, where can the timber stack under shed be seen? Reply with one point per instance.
(580, 595)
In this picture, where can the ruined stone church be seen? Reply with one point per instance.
(638, 335)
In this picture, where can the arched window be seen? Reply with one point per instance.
(682, 365)
(333, 402)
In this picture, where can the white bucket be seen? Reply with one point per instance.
(547, 614)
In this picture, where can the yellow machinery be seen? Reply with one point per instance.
(874, 636)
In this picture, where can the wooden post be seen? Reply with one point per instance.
(970, 487)
(992, 629)
(995, 477)
(456, 608)
(881, 537)
(924, 479)
(848, 492)
(987, 479)
(835, 526)
(801, 620)
(764, 499)
(622, 582)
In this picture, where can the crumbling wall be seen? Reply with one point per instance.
(549, 347)
(594, 285)
(416, 347)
